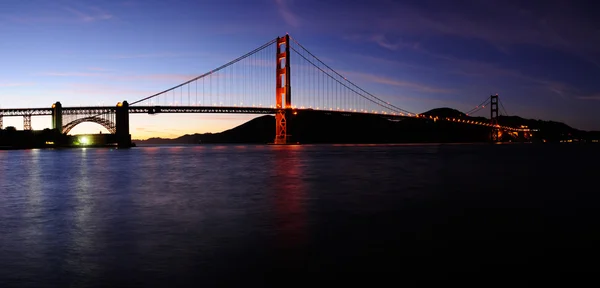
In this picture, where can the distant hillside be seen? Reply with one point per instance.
(257, 130)
(445, 112)
(549, 130)
(319, 127)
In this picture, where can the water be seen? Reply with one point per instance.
(227, 215)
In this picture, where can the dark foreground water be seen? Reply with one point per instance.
(251, 216)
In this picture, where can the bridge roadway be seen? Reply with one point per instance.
(93, 111)
(98, 110)
(87, 110)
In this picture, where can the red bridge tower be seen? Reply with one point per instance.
(283, 89)
(494, 136)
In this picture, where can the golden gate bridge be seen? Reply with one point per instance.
(282, 67)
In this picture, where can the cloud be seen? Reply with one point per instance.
(567, 91)
(16, 84)
(473, 68)
(90, 14)
(53, 14)
(36, 19)
(384, 42)
(72, 74)
(120, 77)
(93, 92)
(393, 82)
(178, 78)
(286, 13)
(129, 3)
(98, 69)
(592, 97)
(147, 55)
(552, 24)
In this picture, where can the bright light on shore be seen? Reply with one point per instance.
(84, 140)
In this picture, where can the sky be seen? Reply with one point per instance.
(541, 57)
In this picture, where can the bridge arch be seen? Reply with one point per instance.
(109, 125)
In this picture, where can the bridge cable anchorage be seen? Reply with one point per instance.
(341, 76)
(209, 73)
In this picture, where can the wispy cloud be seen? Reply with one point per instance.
(399, 83)
(147, 55)
(16, 84)
(58, 15)
(72, 74)
(91, 93)
(98, 69)
(129, 3)
(124, 77)
(567, 91)
(159, 77)
(592, 97)
(286, 13)
(384, 42)
(555, 25)
(477, 69)
(34, 19)
(90, 14)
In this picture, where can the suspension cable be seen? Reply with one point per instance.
(338, 74)
(210, 72)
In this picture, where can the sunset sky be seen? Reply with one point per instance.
(541, 57)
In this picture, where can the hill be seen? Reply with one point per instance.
(318, 127)
(445, 112)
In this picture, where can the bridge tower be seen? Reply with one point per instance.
(494, 118)
(122, 125)
(282, 89)
(57, 116)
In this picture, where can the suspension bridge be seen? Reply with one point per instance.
(281, 67)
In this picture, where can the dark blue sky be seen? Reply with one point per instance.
(541, 57)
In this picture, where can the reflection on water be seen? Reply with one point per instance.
(290, 196)
(247, 214)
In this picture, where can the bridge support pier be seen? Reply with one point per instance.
(57, 120)
(1, 123)
(122, 125)
(27, 122)
(282, 90)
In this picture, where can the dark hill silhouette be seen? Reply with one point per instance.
(445, 112)
(319, 127)
(257, 130)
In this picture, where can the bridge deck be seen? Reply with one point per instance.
(93, 111)
(163, 109)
